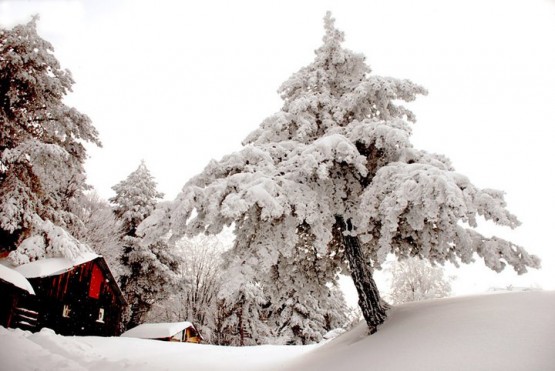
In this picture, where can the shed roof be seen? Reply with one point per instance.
(53, 266)
(157, 330)
(15, 278)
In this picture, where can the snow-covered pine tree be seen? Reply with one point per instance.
(414, 279)
(41, 149)
(243, 315)
(305, 306)
(303, 312)
(136, 198)
(150, 268)
(337, 158)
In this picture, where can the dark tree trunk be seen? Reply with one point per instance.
(240, 315)
(372, 306)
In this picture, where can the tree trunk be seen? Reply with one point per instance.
(241, 329)
(372, 306)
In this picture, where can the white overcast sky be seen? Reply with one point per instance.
(177, 83)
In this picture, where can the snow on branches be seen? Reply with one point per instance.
(42, 149)
(419, 210)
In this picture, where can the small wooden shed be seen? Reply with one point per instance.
(184, 332)
(71, 297)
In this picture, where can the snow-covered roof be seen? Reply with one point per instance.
(53, 266)
(156, 330)
(16, 279)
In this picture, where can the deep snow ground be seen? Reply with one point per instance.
(505, 331)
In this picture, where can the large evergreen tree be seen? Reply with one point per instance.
(41, 149)
(337, 160)
(149, 269)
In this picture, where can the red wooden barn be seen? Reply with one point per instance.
(72, 297)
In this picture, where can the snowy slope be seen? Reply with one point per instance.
(508, 331)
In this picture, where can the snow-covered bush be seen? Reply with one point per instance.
(414, 279)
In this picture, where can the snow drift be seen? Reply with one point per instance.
(507, 331)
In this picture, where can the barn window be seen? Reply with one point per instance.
(66, 311)
(100, 315)
(96, 282)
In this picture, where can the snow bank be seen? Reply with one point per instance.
(508, 331)
(16, 279)
(53, 266)
(156, 330)
(23, 351)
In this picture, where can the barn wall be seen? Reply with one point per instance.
(73, 290)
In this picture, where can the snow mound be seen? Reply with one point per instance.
(506, 331)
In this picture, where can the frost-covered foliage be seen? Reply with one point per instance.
(47, 240)
(41, 149)
(414, 279)
(337, 160)
(304, 305)
(136, 198)
(243, 315)
(201, 278)
(100, 230)
(305, 314)
(150, 276)
(149, 267)
(212, 297)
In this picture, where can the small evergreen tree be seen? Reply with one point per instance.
(150, 268)
(136, 198)
(305, 305)
(41, 149)
(243, 315)
(414, 279)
